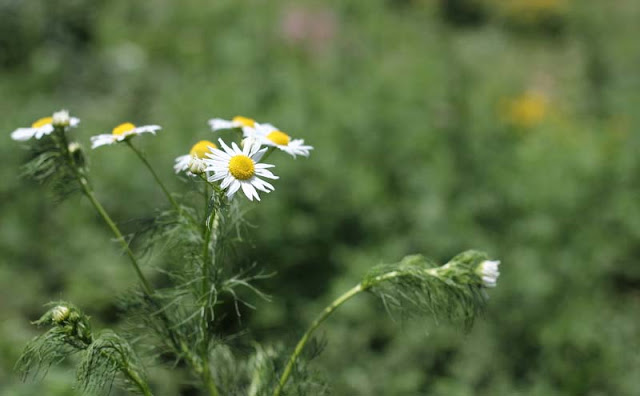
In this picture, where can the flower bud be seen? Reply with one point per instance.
(250, 141)
(488, 271)
(61, 119)
(60, 313)
(73, 147)
(196, 166)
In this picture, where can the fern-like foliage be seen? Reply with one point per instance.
(55, 164)
(70, 333)
(108, 355)
(102, 358)
(418, 286)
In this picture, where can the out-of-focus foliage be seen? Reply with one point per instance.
(438, 126)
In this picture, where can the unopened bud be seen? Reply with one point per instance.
(488, 271)
(250, 141)
(61, 119)
(196, 166)
(60, 313)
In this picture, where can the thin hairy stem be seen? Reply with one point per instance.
(100, 209)
(307, 335)
(134, 377)
(360, 287)
(155, 176)
(88, 191)
(208, 379)
(140, 383)
(206, 239)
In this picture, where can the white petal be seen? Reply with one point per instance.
(236, 149)
(182, 163)
(266, 173)
(235, 186)
(101, 140)
(258, 155)
(264, 166)
(43, 130)
(226, 148)
(262, 185)
(248, 190)
(22, 134)
(219, 123)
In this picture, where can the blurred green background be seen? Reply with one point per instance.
(438, 126)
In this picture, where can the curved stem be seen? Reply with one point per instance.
(140, 383)
(307, 335)
(100, 209)
(360, 287)
(154, 174)
(88, 191)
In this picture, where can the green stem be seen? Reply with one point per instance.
(307, 335)
(360, 287)
(208, 379)
(155, 175)
(100, 209)
(142, 385)
(88, 191)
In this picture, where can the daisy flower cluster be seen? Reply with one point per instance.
(45, 126)
(236, 166)
(240, 167)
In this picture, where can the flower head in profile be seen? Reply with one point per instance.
(240, 169)
(488, 271)
(121, 133)
(244, 123)
(193, 163)
(45, 126)
(269, 135)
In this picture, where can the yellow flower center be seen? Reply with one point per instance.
(527, 110)
(241, 167)
(201, 148)
(279, 138)
(244, 121)
(123, 128)
(42, 122)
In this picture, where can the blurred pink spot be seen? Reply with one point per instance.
(306, 27)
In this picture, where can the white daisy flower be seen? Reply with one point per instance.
(245, 123)
(269, 135)
(240, 168)
(488, 271)
(43, 127)
(194, 161)
(121, 133)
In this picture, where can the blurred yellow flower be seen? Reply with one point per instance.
(193, 163)
(526, 111)
(121, 133)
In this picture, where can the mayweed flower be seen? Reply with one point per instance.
(527, 110)
(121, 133)
(45, 126)
(240, 169)
(269, 135)
(194, 161)
(246, 124)
(60, 313)
(488, 271)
